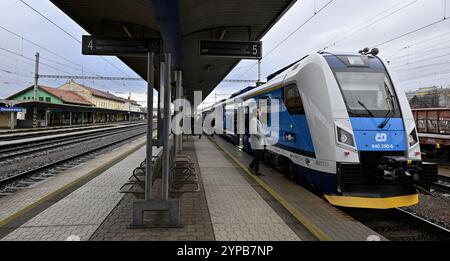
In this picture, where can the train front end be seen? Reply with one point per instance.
(383, 133)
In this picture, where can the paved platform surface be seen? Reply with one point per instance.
(83, 211)
(26, 197)
(237, 211)
(332, 222)
(195, 218)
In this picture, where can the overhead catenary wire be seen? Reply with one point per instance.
(69, 34)
(45, 65)
(410, 32)
(396, 51)
(31, 59)
(418, 53)
(420, 67)
(39, 46)
(298, 28)
(316, 12)
(78, 66)
(425, 60)
(352, 32)
(75, 66)
(14, 72)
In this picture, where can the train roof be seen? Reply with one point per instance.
(242, 91)
(273, 79)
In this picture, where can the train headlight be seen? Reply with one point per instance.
(412, 138)
(345, 137)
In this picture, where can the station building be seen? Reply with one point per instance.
(70, 104)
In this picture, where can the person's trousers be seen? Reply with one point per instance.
(258, 156)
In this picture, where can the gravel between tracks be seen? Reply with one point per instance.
(435, 209)
(27, 162)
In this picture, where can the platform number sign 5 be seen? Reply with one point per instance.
(255, 49)
(231, 49)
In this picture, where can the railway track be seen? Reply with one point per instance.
(12, 183)
(38, 133)
(16, 151)
(399, 225)
(443, 184)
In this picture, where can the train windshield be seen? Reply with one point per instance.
(368, 94)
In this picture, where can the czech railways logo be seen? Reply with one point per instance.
(381, 137)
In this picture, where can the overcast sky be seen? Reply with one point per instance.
(418, 59)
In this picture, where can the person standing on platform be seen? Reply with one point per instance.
(257, 141)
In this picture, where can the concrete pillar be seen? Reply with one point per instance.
(82, 118)
(70, 117)
(46, 118)
(11, 120)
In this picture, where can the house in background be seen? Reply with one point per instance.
(47, 114)
(98, 98)
(50, 95)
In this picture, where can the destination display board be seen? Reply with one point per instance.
(231, 49)
(92, 45)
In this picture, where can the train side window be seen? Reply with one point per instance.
(264, 106)
(293, 100)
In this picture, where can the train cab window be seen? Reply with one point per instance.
(293, 100)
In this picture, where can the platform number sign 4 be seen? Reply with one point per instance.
(91, 45)
(119, 46)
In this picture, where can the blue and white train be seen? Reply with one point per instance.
(345, 129)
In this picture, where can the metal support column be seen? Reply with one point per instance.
(36, 77)
(35, 90)
(82, 118)
(259, 70)
(166, 128)
(160, 102)
(70, 117)
(35, 116)
(149, 152)
(178, 93)
(165, 204)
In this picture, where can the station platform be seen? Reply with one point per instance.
(231, 205)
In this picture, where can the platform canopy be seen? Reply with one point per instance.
(181, 24)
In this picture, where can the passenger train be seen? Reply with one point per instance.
(345, 129)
